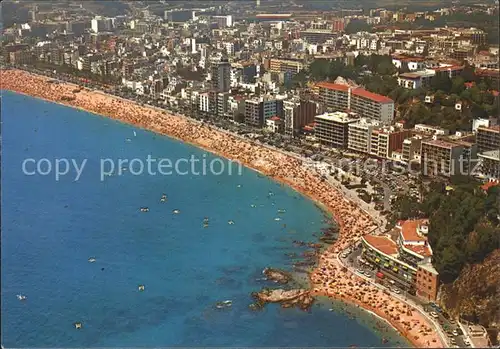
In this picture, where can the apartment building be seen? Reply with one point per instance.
(334, 97)
(284, 65)
(259, 109)
(403, 258)
(317, 36)
(337, 97)
(332, 129)
(386, 140)
(411, 149)
(360, 135)
(298, 113)
(433, 130)
(415, 80)
(443, 157)
(488, 138)
(489, 164)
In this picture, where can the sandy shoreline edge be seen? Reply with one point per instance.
(329, 278)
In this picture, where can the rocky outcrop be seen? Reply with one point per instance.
(277, 275)
(474, 295)
(299, 297)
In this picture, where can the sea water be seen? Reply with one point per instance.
(50, 229)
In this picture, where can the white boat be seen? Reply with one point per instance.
(277, 219)
(78, 325)
(91, 259)
(176, 211)
(135, 134)
(230, 222)
(21, 297)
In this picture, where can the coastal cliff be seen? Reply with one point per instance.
(474, 294)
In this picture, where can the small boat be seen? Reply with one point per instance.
(91, 260)
(223, 304)
(144, 209)
(253, 205)
(135, 134)
(141, 287)
(277, 219)
(238, 186)
(230, 222)
(163, 198)
(78, 325)
(205, 225)
(281, 211)
(21, 297)
(128, 140)
(176, 211)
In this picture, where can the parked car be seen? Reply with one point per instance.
(434, 314)
(455, 333)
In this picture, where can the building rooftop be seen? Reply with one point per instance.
(410, 229)
(337, 116)
(382, 243)
(332, 86)
(492, 154)
(440, 143)
(372, 96)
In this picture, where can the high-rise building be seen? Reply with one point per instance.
(337, 97)
(488, 138)
(297, 114)
(360, 135)
(259, 109)
(332, 129)
(178, 16)
(221, 75)
(446, 158)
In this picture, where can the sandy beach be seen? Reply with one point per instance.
(329, 278)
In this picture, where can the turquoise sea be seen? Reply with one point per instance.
(51, 228)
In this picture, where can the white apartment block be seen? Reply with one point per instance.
(204, 102)
(360, 134)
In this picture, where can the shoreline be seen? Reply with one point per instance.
(329, 278)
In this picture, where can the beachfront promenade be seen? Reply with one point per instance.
(330, 277)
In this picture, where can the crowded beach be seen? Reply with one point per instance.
(330, 278)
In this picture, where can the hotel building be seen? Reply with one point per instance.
(386, 140)
(490, 164)
(284, 65)
(488, 138)
(339, 97)
(441, 157)
(333, 128)
(298, 113)
(360, 135)
(403, 259)
(411, 149)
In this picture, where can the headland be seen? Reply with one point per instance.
(329, 278)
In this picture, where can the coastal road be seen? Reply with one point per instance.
(418, 307)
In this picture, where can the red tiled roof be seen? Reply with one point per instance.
(487, 72)
(424, 250)
(332, 86)
(495, 93)
(372, 96)
(452, 67)
(275, 118)
(490, 184)
(469, 84)
(409, 229)
(382, 244)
